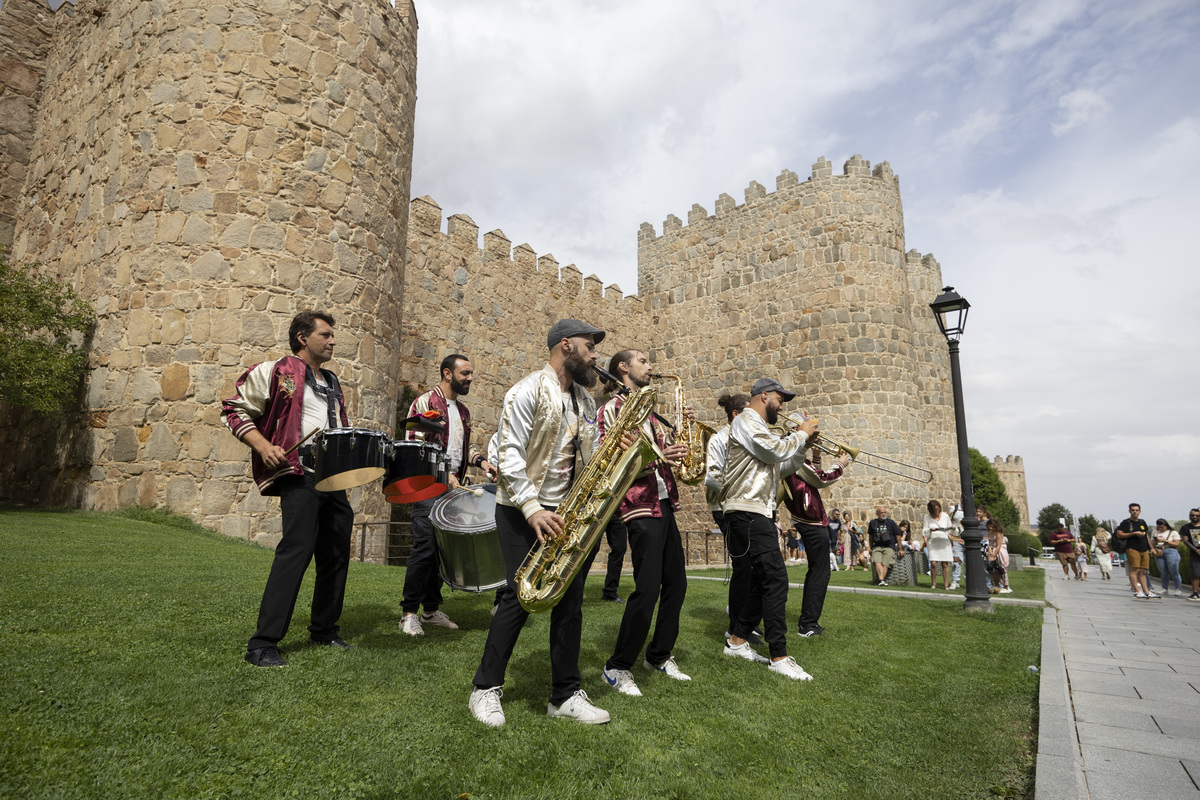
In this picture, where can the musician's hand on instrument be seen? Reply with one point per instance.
(687, 412)
(844, 459)
(629, 439)
(546, 524)
(490, 469)
(454, 484)
(809, 427)
(272, 455)
(673, 453)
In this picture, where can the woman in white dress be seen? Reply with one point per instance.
(937, 530)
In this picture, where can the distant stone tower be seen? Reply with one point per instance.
(199, 172)
(1012, 474)
(810, 284)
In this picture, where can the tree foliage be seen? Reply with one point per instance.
(1087, 528)
(1048, 519)
(44, 327)
(990, 492)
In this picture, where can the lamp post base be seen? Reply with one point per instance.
(979, 606)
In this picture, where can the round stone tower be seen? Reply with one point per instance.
(202, 171)
(808, 284)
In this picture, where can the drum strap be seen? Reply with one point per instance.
(328, 393)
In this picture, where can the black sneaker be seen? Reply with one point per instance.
(265, 657)
(336, 641)
(616, 600)
(808, 633)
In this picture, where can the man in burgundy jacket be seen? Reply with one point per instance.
(422, 581)
(277, 404)
(648, 512)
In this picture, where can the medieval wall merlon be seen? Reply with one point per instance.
(462, 235)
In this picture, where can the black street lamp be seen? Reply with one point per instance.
(950, 311)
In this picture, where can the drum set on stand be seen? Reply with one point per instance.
(464, 518)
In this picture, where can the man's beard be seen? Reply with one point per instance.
(580, 370)
(640, 383)
(772, 415)
(459, 388)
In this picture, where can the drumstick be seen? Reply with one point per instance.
(302, 441)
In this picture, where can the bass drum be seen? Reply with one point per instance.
(464, 521)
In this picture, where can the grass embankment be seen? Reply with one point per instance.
(122, 678)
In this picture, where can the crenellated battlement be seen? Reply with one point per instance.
(787, 182)
(461, 232)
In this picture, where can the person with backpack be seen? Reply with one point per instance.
(1189, 534)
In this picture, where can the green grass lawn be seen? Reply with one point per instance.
(121, 677)
(1027, 584)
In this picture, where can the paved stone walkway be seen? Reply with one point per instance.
(1120, 693)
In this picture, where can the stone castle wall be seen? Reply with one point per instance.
(494, 303)
(811, 284)
(1011, 470)
(205, 171)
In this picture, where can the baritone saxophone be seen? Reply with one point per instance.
(691, 433)
(549, 568)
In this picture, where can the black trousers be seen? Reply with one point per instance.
(816, 581)
(741, 573)
(316, 525)
(618, 539)
(658, 577)
(566, 618)
(422, 580)
(755, 535)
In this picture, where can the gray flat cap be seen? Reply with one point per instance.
(566, 328)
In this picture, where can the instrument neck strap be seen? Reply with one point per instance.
(327, 392)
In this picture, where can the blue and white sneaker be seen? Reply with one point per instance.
(669, 668)
(622, 680)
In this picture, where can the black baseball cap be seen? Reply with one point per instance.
(566, 328)
(771, 385)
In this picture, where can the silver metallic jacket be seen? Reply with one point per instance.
(756, 461)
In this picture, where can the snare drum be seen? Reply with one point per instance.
(416, 470)
(349, 457)
(468, 544)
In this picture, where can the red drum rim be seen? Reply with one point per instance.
(427, 489)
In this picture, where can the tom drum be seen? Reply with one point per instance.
(464, 521)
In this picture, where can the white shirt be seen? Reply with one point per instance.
(454, 446)
(316, 410)
(562, 460)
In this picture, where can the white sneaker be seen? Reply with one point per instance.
(411, 625)
(577, 706)
(485, 706)
(1153, 596)
(621, 680)
(1006, 590)
(1178, 593)
(954, 586)
(789, 668)
(1142, 596)
(669, 668)
(744, 650)
(440, 619)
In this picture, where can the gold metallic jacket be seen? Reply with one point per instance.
(755, 462)
(529, 426)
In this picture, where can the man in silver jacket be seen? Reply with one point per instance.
(756, 461)
(545, 435)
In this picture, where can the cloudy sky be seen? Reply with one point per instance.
(1048, 151)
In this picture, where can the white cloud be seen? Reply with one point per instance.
(1082, 106)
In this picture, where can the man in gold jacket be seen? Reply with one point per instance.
(545, 436)
(756, 461)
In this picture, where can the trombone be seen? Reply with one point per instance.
(831, 446)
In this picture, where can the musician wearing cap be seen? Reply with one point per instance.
(544, 437)
(277, 405)
(648, 511)
(422, 581)
(756, 460)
